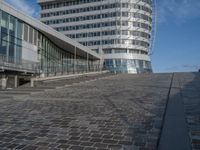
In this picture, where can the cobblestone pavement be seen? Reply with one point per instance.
(122, 112)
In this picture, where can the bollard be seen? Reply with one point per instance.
(16, 80)
(4, 83)
(32, 82)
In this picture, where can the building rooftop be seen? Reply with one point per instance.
(147, 111)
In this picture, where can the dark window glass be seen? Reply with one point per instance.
(4, 36)
(3, 47)
(11, 50)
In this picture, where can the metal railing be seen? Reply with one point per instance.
(68, 69)
(11, 63)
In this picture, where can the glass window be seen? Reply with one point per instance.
(4, 36)
(12, 39)
(35, 37)
(4, 20)
(3, 47)
(19, 29)
(30, 35)
(120, 51)
(18, 53)
(19, 42)
(12, 25)
(26, 32)
(11, 50)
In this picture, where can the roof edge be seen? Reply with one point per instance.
(45, 28)
(44, 1)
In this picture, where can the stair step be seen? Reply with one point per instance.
(15, 92)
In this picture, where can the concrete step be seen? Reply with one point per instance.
(35, 89)
(2, 96)
(14, 92)
(42, 86)
(11, 95)
(63, 82)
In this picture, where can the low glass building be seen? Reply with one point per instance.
(27, 45)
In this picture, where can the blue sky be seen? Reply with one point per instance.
(177, 40)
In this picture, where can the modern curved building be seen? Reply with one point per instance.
(119, 30)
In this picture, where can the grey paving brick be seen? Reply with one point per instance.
(118, 112)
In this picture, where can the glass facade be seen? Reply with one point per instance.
(128, 65)
(11, 38)
(54, 59)
(19, 41)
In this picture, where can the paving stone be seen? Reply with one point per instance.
(62, 141)
(110, 141)
(21, 146)
(95, 140)
(115, 146)
(118, 112)
(90, 148)
(63, 146)
(77, 148)
(30, 148)
(41, 144)
(101, 145)
(74, 142)
(12, 146)
(86, 143)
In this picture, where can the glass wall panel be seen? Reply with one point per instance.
(35, 37)
(26, 32)
(4, 36)
(11, 37)
(30, 35)
(18, 54)
(3, 47)
(12, 26)
(19, 29)
(4, 20)
(4, 33)
(11, 50)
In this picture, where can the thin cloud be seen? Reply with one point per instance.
(178, 10)
(188, 67)
(191, 66)
(24, 6)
